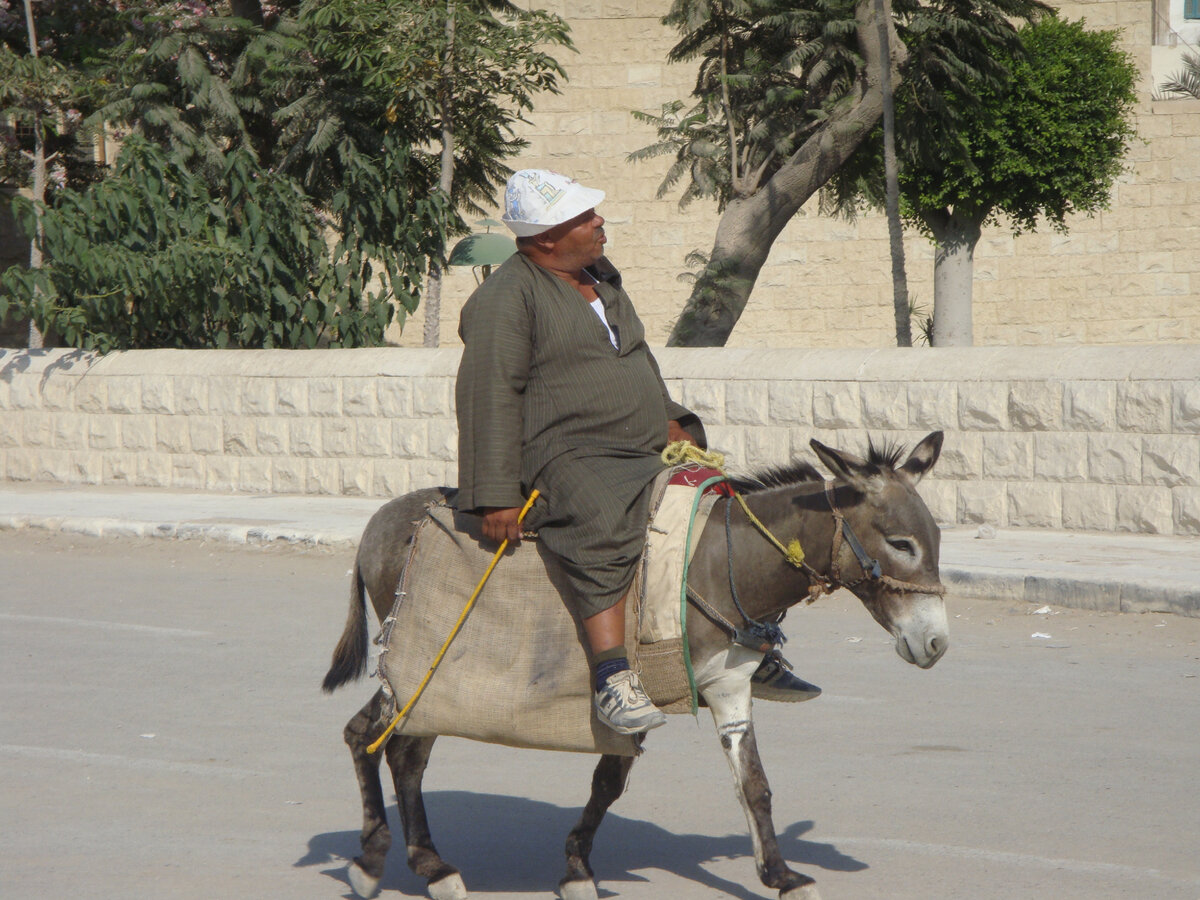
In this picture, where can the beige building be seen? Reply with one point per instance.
(1127, 275)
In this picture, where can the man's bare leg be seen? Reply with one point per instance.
(606, 629)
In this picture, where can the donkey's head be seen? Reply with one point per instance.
(888, 551)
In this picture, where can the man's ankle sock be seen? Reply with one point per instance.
(609, 663)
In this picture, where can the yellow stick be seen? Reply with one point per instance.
(453, 633)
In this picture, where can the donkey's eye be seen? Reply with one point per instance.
(902, 545)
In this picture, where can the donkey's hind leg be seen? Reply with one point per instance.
(407, 757)
(365, 871)
(608, 783)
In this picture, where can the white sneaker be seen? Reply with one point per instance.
(623, 706)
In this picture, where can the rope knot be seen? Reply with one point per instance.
(682, 453)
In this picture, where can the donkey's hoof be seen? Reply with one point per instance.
(449, 888)
(364, 885)
(577, 889)
(803, 892)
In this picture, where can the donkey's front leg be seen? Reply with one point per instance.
(727, 690)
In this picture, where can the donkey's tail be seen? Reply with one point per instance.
(350, 655)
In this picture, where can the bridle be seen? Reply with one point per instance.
(870, 566)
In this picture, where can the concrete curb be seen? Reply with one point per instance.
(233, 534)
(1098, 594)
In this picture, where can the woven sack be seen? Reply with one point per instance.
(518, 672)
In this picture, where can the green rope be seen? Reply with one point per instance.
(687, 558)
(683, 453)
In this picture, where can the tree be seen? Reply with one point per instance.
(44, 75)
(1046, 143)
(319, 90)
(153, 257)
(217, 90)
(900, 302)
(470, 68)
(1187, 80)
(785, 91)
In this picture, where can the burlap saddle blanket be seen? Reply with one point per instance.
(518, 672)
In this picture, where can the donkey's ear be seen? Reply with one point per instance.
(924, 455)
(858, 473)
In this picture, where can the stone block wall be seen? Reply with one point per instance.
(1083, 438)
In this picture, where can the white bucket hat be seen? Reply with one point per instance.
(536, 200)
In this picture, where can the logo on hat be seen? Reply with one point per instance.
(538, 199)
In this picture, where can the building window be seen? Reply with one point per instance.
(1191, 9)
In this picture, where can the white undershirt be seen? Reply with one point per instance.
(598, 307)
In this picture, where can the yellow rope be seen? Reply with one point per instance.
(682, 453)
(453, 633)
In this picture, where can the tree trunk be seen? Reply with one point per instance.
(953, 275)
(431, 336)
(883, 11)
(750, 225)
(39, 183)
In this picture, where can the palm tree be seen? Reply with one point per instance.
(1186, 80)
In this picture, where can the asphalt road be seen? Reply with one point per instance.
(162, 735)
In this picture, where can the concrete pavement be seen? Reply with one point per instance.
(1097, 571)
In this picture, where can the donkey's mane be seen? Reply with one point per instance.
(887, 456)
(881, 457)
(796, 472)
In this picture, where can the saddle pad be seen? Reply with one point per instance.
(655, 617)
(518, 672)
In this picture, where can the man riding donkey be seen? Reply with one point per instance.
(558, 391)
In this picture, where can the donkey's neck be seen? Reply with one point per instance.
(766, 583)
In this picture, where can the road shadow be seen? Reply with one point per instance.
(507, 844)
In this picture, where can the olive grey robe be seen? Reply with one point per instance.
(545, 401)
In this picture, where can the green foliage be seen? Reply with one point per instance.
(324, 83)
(297, 199)
(200, 83)
(1046, 142)
(50, 93)
(770, 71)
(479, 80)
(152, 257)
(1186, 81)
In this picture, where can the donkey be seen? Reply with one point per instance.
(867, 529)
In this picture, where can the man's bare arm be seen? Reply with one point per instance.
(675, 432)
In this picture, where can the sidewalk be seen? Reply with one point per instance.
(1109, 572)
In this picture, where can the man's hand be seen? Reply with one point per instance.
(500, 524)
(675, 433)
